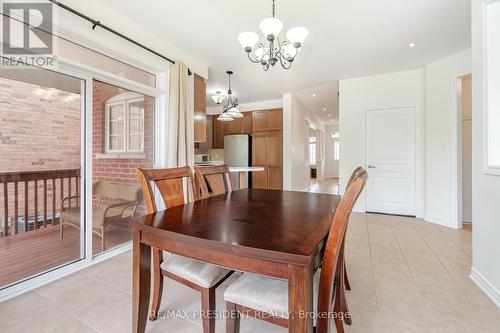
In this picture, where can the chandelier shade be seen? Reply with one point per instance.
(234, 113)
(297, 36)
(273, 50)
(271, 27)
(248, 40)
(218, 97)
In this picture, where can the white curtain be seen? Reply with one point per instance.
(181, 117)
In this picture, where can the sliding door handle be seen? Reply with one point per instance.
(371, 166)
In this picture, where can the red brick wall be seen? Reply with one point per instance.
(118, 169)
(38, 132)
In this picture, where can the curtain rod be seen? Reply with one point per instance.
(96, 23)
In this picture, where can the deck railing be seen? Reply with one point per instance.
(30, 198)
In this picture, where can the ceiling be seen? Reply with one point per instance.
(322, 102)
(347, 38)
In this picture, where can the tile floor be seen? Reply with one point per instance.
(406, 276)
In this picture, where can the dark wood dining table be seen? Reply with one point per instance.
(279, 234)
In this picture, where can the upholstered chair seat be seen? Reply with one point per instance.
(264, 294)
(202, 274)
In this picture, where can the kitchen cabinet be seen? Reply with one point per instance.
(275, 177)
(275, 120)
(218, 132)
(208, 142)
(259, 121)
(247, 123)
(200, 109)
(235, 126)
(267, 151)
(241, 125)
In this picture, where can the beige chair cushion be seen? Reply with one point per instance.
(264, 294)
(200, 273)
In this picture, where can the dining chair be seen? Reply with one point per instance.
(175, 186)
(257, 296)
(213, 180)
(349, 182)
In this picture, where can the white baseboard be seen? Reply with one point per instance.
(439, 220)
(485, 286)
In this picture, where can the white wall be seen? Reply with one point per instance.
(441, 123)
(401, 89)
(485, 188)
(331, 166)
(297, 120)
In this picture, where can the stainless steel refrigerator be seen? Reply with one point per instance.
(238, 153)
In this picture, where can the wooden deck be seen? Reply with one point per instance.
(26, 254)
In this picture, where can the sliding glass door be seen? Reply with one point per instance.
(41, 122)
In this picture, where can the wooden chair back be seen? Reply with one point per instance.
(170, 184)
(353, 176)
(213, 180)
(332, 271)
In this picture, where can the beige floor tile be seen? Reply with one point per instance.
(402, 306)
(31, 312)
(88, 299)
(391, 325)
(407, 275)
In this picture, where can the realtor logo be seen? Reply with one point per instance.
(28, 34)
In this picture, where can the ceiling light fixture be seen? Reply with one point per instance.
(314, 95)
(276, 51)
(218, 98)
(412, 45)
(324, 109)
(229, 111)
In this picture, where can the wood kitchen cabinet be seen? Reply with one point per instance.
(267, 151)
(268, 120)
(218, 130)
(275, 120)
(200, 109)
(241, 125)
(259, 121)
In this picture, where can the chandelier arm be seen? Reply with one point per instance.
(284, 62)
(252, 60)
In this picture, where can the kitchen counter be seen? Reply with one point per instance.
(246, 169)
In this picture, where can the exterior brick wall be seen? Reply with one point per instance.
(118, 169)
(42, 132)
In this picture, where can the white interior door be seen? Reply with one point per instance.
(390, 161)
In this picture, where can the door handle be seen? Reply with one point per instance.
(371, 166)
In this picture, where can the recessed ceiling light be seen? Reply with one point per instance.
(412, 45)
(324, 109)
(314, 95)
(329, 115)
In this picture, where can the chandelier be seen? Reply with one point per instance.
(218, 98)
(275, 51)
(229, 110)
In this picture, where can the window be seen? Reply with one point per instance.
(312, 150)
(125, 124)
(492, 158)
(336, 152)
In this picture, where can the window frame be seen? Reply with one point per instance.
(126, 132)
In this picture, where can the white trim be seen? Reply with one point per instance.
(485, 286)
(456, 152)
(439, 220)
(487, 168)
(262, 105)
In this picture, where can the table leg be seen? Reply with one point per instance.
(300, 299)
(141, 280)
